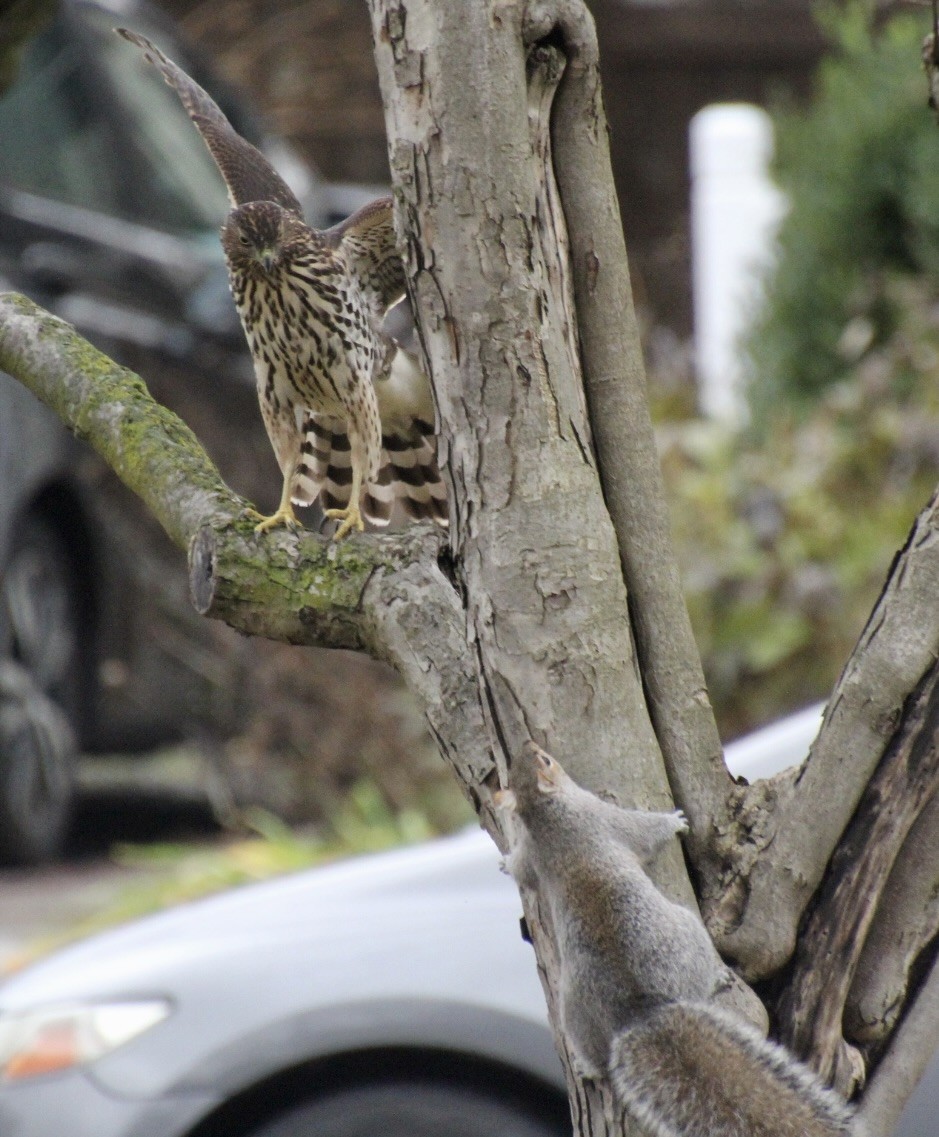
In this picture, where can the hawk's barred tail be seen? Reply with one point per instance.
(412, 466)
(325, 471)
(408, 473)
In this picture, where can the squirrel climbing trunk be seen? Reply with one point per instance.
(639, 973)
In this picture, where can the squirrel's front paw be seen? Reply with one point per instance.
(583, 1069)
(512, 864)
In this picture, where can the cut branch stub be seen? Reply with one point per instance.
(297, 587)
(384, 595)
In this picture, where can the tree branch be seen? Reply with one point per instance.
(912, 1046)
(614, 381)
(384, 595)
(779, 868)
(830, 946)
(150, 449)
(534, 553)
(904, 929)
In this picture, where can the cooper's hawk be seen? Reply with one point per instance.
(348, 411)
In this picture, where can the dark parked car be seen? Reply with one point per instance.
(109, 215)
(390, 994)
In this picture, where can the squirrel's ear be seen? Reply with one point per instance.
(532, 751)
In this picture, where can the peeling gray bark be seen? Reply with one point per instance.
(529, 518)
(555, 611)
(897, 647)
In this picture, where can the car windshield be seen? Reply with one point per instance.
(186, 183)
(53, 144)
(59, 133)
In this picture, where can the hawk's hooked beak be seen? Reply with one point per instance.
(267, 256)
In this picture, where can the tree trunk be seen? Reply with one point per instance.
(555, 612)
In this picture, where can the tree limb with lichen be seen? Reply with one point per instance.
(296, 587)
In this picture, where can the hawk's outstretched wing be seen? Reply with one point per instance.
(368, 242)
(247, 173)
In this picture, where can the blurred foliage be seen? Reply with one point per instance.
(785, 541)
(322, 722)
(861, 170)
(785, 533)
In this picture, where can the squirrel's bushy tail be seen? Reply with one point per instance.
(692, 1070)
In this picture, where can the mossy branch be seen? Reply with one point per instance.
(152, 451)
(301, 588)
(384, 595)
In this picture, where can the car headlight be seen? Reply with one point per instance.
(60, 1037)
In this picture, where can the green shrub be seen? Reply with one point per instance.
(786, 533)
(785, 541)
(861, 169)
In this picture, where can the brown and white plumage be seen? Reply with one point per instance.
(348, 411)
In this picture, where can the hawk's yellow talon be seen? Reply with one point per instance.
(283, 516)
(350, 518)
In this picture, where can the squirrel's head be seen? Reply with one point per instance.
(534, 774)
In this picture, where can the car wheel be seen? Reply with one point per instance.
(37, 760)
(405, 1109)
(41, 612)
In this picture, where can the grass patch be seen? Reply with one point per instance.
(164, 875)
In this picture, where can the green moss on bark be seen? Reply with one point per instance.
(297, 587)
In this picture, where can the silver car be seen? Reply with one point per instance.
(390, 994)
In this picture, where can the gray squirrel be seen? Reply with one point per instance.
(638, 973)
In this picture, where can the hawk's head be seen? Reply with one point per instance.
(258, 236)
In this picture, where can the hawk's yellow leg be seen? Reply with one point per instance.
(283, 515)
(351, 517)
